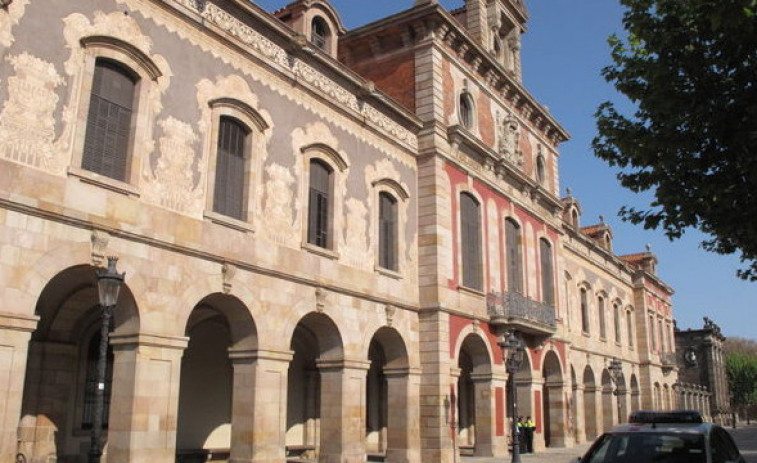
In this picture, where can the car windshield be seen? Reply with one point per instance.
(647, 448)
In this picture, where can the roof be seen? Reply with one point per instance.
(687, 428)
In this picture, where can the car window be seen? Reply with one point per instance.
(723, 447)
(648, 448)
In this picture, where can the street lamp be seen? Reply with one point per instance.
(512, 354)
(109, 283)
(616, 374)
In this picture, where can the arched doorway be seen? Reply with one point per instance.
(210, 380)
(390, 415)
(474, 405)
(61, 374)
(553, 401)
(315, 390)
(608, 408)
(590, 404)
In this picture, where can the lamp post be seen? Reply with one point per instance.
(109, 283)
(616, 374)
(512, 354)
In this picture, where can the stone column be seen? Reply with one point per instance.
(403, 438)
(579, 424)
(258, 412)
(555, 391)
(343, 410)
(484, 414)
(15, 331)
(500, 410)
(145, 398)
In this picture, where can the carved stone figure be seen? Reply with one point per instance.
(508, 139)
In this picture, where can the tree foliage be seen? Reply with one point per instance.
(689, 68)
(741, 369)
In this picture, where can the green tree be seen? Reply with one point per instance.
(689, 69)
(741, 369)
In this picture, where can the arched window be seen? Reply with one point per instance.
(229, 189)
(107, 142)
(467, 117)
(547, 273)
(629, 327)
(319, 33)
(584, 310)
(574, 217)
(601, 314)
(387, 231)
(470, 242)
(319, 204)
(541, 170)
(514, 257)
(616, 319)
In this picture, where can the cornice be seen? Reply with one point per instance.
(433, 24)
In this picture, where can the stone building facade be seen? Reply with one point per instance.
(702, 379)
(324, 232)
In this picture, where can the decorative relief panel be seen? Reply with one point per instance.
(9, 17)
(355, 245)
(508, 138)
(27, 123)
(326, 85)
(280, 206)
(174, 181)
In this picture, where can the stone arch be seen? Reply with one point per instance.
(220, 329)
(388, 428)
(61, 374)
(474, 413)
(590, 403)
(607, 400)
(553, 400)
(318, 349)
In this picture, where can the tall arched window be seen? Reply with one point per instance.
(470, 242)
(584, 310)
(541, 170)
(109, 123)
(229, 188)
(467, 117)
(547, 273)
(319, 33)
(514, 257)
(629, 327)
(319, 204)
(601, 315)
(387, 231)
(616, 320)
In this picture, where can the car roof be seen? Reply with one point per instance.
(687, 428)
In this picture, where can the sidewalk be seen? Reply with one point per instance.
(550, 455)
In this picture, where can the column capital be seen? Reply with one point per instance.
(342, 364)
(260, 354)
(18, 322)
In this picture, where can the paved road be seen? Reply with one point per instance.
(745, 437)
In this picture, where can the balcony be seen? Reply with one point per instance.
(668, 361)
(515, 311)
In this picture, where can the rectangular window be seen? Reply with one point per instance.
(514, 257)
(109, 122)
(319, 204)
(547, 273)
(387, 232)
(229, 189)
(470, 224)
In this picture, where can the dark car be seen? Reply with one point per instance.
(664, 437)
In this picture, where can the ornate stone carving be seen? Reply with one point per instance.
(174, 181)
(355, 245)
(320, 299)
(389, 310)
(11, 12)
(228, 272)
(99, 241)
(508, 135)
(279, 206)
(27, 122)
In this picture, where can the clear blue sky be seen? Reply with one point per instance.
(563, 52)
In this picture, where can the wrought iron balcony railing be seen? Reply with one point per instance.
(521, 313)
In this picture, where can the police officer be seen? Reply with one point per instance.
(529, 427)
(521, 434)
